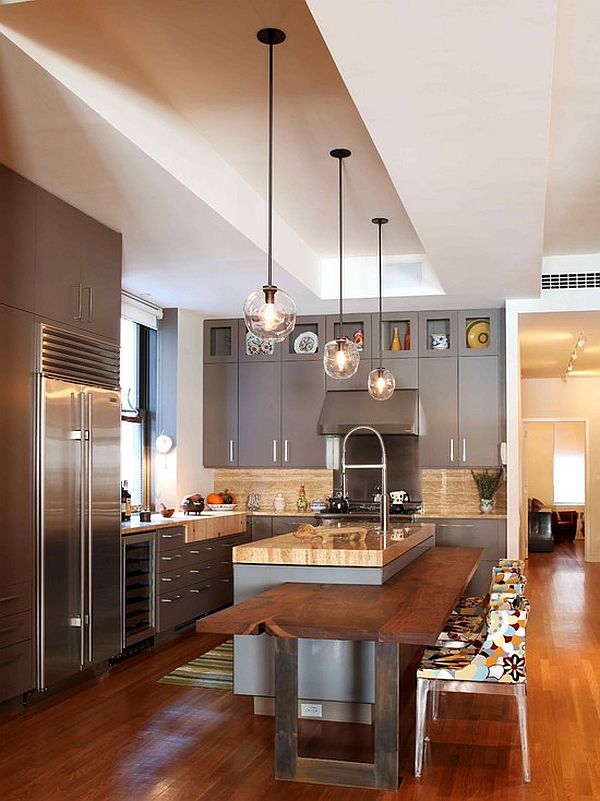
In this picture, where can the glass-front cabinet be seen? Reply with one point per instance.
(399, 334)
(438, 333)
(479, 332)
(220, 341)
(356, 327)
(253, 349)
(306, 341)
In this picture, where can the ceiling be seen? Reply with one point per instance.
(548, 338)
(151, 117)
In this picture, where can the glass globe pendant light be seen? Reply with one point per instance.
(341, 356)
(269, 312)
(381, 383)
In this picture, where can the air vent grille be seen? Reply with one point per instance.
(77, 358)
(571, 281)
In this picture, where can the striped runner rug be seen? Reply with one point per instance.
(213, 669)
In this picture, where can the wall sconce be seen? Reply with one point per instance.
(163, 444)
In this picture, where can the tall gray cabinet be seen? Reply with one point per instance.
(59, 265)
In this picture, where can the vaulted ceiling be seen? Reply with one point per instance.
(475, 127)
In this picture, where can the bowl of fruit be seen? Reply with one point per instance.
(221, 501)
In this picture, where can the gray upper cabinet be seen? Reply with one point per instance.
(354, 325)
(306, 341)
(16, 472)
(78, 268)
(303, 392)
(101, 279)
(399, 335)
(479, 332)
(58, 292)
(358, 381)
(220, 415)
(17, 240)
(438, 423)
(260, 414)
(220, 341)
(438, 333)
(479, 412)
(251, 351)
(405, 371)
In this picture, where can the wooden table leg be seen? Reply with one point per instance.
(383, 772)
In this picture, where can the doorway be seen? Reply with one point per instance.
(554, 471)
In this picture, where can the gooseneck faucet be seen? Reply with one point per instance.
(384, 512)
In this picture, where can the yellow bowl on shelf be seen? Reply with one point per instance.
(478, 334)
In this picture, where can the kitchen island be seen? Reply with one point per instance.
(336, 676)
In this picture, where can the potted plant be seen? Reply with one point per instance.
(487, 482)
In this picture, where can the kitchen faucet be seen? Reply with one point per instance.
(384, 509)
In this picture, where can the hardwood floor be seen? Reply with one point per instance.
(127, 738)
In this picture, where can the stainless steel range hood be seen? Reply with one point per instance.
(344, 409)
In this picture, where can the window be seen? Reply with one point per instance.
(138, 403)
(569, 464)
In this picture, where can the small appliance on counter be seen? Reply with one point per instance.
(338, 504)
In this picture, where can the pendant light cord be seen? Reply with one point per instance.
(341, 242)
(270, 175)
(379, 224)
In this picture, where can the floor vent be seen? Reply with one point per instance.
(571, 281)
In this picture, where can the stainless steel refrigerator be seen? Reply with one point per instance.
(78, 439)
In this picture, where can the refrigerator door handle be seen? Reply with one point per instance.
(90, 521)
(41, 543)
(82, 528)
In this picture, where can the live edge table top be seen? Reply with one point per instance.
(412, 607)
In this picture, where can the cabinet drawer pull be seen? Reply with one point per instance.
(195, 591)
(170, 558)
(10, 659)
(6, 629)
(171, 578)
(225, 581)
(455, 525)
(171, 536)
(9, 598)
(170, 600)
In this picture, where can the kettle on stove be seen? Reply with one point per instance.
(337, 503)
(397, 500)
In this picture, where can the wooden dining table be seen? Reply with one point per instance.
(411, 609)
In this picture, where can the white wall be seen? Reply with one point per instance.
(576, 398)
(538, 456)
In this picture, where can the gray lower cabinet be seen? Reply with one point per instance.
(259, 414)
(192, 579)
(474, 533)
(220, 415)
(302, 395)
(262, 527)
(17, 240)
(479, 411)
(438, 423)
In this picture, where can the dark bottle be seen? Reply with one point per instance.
(125, 503)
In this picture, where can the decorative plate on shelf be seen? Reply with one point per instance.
(478, 334)
(308, 342)
(258, 347)
(221, 507)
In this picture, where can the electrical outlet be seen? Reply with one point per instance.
(311, 710)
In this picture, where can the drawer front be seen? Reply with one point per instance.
(204, 551)
(172, 581)
(175, 559)
(469, 534)
(16, 670)
(15, 598)
(15, 628)
(170, 538)
(177, 608)
(205, 571)
(221, 593)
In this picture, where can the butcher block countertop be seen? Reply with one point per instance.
(197, 527)
(341, 545)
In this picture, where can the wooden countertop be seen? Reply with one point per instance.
(412, 607)
(134, 526)
(339, 545)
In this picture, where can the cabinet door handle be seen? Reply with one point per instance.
(451, 449)
(170, 578)
(76, 289)
(90, 290)
(171, 536)
(170, 600)
(9, 598)
(274, 450)
(464, 449)
(455, 525)
(231, 451)
(286, 450)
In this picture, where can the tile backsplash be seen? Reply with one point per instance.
(317, 483)
(454, 492)
(445, 492)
